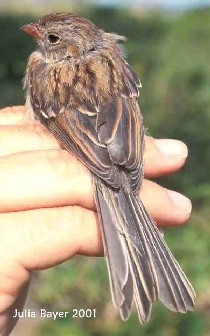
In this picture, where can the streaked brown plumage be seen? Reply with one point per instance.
(82, 89)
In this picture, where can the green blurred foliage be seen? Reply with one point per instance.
(171, 55)
(14, 50)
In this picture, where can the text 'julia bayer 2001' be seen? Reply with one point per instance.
(43, 313)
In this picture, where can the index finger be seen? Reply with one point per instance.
(161, 156)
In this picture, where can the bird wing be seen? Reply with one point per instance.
(103, 141)
(107, 137)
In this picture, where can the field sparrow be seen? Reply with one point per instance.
(82, 89)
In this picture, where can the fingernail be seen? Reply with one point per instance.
(180, 201)
(172, 147)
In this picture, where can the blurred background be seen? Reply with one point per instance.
(169, 47)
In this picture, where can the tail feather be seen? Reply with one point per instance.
(143, 304)
(126, 276)
(121, 280)
(175, 291)
(140, 264)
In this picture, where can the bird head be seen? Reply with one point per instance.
(65, 35)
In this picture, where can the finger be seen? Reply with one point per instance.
(12, 115)
(167, 207)
(25, 137)
(55, 178)
(163, 156)
(43, 179)
(4, 323)
(18, 305)
(38, 239)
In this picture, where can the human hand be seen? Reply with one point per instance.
(47, 203)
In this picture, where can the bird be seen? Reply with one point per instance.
(80, 86)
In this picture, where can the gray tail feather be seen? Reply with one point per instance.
(140, 264)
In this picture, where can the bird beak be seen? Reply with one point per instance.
(32, 29)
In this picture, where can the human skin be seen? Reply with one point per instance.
(47, 208)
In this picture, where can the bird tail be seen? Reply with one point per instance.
(140, 264)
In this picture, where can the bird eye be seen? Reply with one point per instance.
(53, 39)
